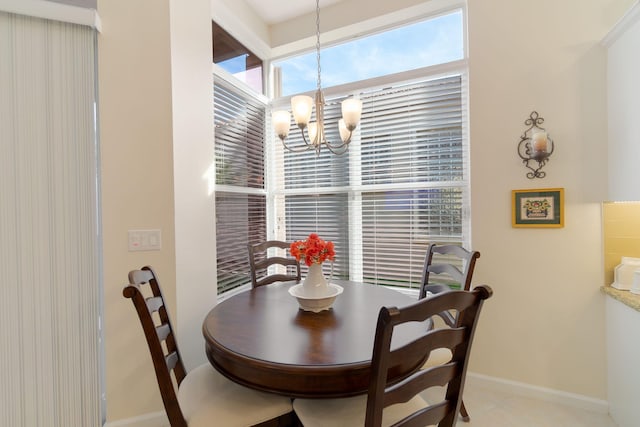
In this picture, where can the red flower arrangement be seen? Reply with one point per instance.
(312, 250)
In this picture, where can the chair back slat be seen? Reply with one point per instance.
(154, 304)
(145, 293)
(140, 276)
(260, 259)
(172, 360)
(430, 415)
(403, 391)
(163, 332)
(458, 339)
(450, 270)
(439, 338)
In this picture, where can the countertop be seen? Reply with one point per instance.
(625, 297)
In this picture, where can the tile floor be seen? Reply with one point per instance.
(489, 408)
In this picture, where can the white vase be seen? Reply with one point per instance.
(315, 285)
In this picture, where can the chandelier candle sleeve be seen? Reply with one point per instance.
(302, 106)
(351, 112)
(281, 122)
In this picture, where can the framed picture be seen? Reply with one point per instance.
(538, 208)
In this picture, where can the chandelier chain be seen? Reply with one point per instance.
(318, 42)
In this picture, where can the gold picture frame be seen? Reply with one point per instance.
(537, 208)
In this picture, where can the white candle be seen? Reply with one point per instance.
(539, 142)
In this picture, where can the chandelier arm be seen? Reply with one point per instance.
(300, 149)
(340, 149)
(338, 146)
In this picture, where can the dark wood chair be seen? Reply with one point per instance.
(203, 396)
(452, 265)
(401, 404)
(260, 260)
(446, 266)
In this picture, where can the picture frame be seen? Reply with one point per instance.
(538, 208)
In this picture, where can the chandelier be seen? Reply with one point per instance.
(302, 106)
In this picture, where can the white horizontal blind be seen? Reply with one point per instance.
(49, 247)
(240, 196)
(412, 176)
(403, 183)
(311, 192)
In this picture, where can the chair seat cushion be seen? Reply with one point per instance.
(438, 356)
(208, 398)
(349, 412)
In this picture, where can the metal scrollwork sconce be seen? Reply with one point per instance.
(535, 146)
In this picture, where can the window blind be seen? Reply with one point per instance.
(50, 278)
(240, 195)
(402, 184)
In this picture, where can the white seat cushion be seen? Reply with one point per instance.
(208, 398)
(349, 411)
(438, 356)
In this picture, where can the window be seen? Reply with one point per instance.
(436, 40)
(401, 185)
(240, 195)
(232, 56)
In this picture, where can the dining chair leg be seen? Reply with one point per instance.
(464, 413)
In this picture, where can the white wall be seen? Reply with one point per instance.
(623, 69)
(545, 324)
(194, 162)
(156, 119)
(134, 72)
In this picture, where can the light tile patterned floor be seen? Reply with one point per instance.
(489, 408)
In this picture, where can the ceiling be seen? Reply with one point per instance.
(276, 11)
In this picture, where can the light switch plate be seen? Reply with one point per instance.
(145, 240)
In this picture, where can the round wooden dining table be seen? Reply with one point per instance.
(261, 339)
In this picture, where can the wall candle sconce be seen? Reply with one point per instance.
(535, 146)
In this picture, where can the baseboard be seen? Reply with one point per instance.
(156, 419)
(547, 394)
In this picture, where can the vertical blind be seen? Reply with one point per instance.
(240, 195)
(49, 260)
(402, 184)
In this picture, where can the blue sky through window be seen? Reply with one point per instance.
(434, 41)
